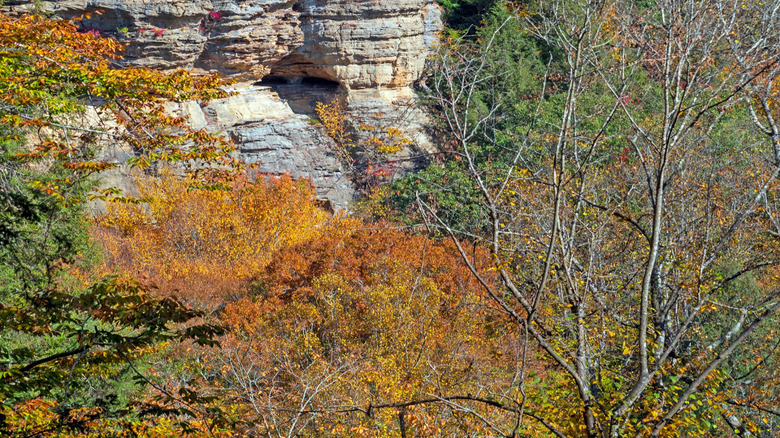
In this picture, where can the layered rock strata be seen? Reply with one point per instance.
(276, 140)
(286, 55)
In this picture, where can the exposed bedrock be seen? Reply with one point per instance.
(285, 56)
(359, 43)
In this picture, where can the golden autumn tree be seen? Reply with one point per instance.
(70, 346)
(363, 144)
(334, 326)
(207, 243)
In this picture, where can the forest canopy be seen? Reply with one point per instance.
(594, 252)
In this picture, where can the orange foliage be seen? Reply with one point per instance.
(204, 242)
(51, 73)
(359, 317)
(46, 419)
(325, 316)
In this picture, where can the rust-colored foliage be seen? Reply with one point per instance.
(326, 316)
(358, 318)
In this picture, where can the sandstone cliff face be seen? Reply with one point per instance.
(276, 140)
(359, 43)
(236, 38)
(285, 55)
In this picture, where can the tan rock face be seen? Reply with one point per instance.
(360, 43)
(234, 37)
(367, 51)
(357, 43)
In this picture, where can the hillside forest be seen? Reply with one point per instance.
(592, 253)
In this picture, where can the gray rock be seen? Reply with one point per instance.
(367, 52)
(278, 141)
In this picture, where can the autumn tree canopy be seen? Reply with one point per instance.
(627, 195)
(594, 253)
(71, 344)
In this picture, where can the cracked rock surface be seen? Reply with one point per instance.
(367, 52)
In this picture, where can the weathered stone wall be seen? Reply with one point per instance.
(368, 52)
(360, 43)
(237, 38)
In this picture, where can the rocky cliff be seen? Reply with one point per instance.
(285, 56)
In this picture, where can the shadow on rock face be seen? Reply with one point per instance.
(303, 93)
